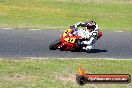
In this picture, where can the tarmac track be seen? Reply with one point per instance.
(35, 43)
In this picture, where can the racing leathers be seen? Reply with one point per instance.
(89, 35)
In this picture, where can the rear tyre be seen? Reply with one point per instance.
(75, 49)
(54, 45)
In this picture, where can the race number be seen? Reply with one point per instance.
(71, 40)
(65, 33)
(67, 39)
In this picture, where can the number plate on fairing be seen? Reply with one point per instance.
(71, 40)
(66, 31)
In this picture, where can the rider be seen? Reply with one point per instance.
(90, 35)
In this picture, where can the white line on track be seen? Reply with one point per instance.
(34, 29)
(6, 28)
(61, 30)
(41, 58)
(119, 31)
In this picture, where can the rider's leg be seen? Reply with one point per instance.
(89, 43)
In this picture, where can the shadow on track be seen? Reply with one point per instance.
(97, 51)
(93, 51)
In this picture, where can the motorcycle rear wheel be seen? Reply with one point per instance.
(75, 49)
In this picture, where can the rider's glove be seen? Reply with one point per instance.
(72, 27)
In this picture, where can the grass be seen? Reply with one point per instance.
(111, 15)
(58, 73)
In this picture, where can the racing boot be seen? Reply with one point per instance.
(88, 48)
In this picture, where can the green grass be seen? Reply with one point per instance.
(58, 73)
(111, 15)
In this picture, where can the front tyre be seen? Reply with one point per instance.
(54, 45)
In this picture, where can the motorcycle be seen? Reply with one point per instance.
(67, 42)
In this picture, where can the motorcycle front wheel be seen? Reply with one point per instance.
(54, 45)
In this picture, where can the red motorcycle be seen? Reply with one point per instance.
(66, 42)
(69, 42)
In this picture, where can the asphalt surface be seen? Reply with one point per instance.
(35, 43)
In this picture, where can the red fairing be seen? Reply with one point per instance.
(68, 44)
(69, 41)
